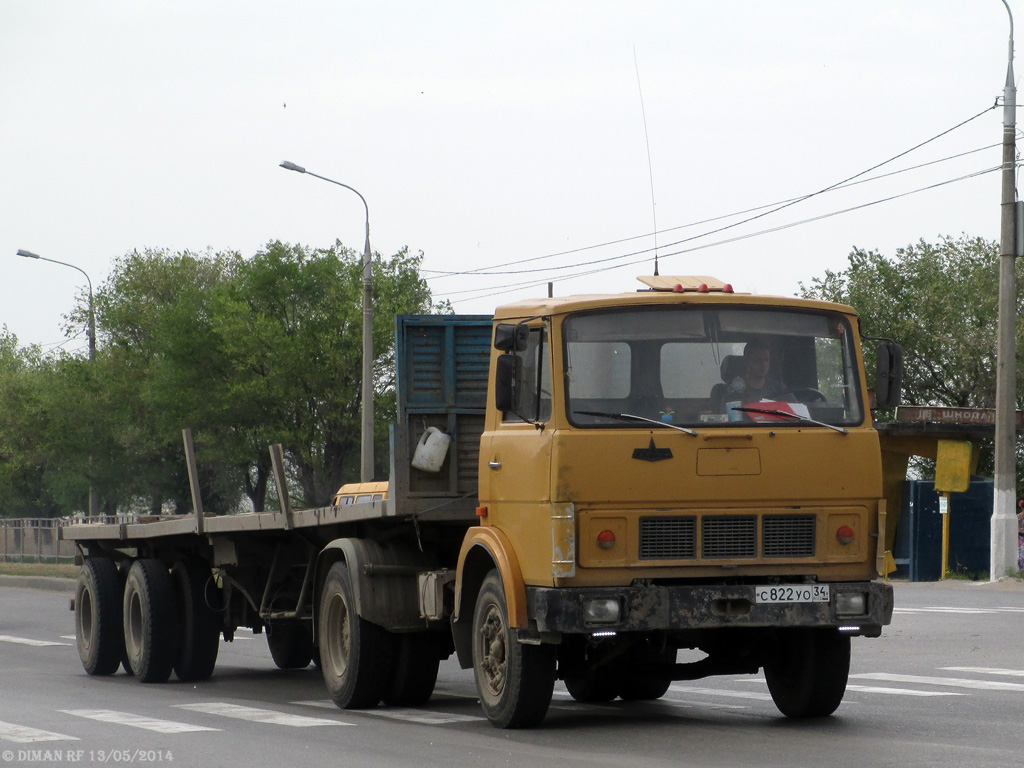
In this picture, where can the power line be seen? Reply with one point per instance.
(773, 208)
(509, 288)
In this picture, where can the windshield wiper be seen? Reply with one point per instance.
(788, 415)
(632, 417)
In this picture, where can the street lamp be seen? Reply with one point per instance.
(1003, 536)
(366, 455)
(94, 506)
(92, 316)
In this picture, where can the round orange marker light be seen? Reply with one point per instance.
(606, 539)
(845, 534)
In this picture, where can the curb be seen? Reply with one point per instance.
(47, 583)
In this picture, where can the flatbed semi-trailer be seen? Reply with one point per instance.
(602, 490)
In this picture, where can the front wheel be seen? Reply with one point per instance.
(808, 672)
(515, 681)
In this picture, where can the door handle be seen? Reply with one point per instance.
(494, 464)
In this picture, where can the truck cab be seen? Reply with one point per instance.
(638, 495)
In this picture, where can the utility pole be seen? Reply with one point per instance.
(1003, 557)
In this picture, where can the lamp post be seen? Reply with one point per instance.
(1003, 539)
(93, 498)
(366, 454)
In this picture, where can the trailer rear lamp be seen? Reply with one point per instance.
(845, 534)
(602, 610)
(851, 603)
(606, 539)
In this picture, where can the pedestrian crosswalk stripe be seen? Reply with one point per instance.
(950, 682)
(422, 716)
(987, 671)
(964, 611)
(22, 734)
(136, 721)
(719, 692)
(256, 715)
(900, 691)
(29, 641)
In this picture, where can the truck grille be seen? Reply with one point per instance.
(788, 536)
(726, 537)
(668, 538)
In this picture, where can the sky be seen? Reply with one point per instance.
(513, 143)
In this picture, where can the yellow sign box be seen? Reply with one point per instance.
(953, 466)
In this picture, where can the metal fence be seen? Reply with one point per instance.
(34, 540)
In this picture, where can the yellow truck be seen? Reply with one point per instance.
(616, 491)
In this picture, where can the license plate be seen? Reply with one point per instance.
(792, 593)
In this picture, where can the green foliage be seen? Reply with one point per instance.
(939, 301)
(245, 352)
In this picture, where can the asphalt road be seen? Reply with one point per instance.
(944, 686)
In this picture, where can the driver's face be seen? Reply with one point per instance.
(757, 363)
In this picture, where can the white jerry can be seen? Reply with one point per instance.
(431, 450)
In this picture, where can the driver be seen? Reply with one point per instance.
(755, 383)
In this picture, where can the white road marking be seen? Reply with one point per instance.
(22, 734)
(422, 716)
(719, 692)
(256, 715)
(28, 641)
(901, 691)
(964, 611)
(136, 721)
(987, 671)
(951, 682)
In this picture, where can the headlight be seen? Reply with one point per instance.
(602, 610)
(851, 603)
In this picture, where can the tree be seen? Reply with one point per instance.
(939, 301)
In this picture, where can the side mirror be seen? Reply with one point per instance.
(511, 338)
(507, 379)
(889, 376)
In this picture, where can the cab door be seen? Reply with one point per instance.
(515, 466)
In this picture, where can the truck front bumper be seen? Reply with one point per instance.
(859, 608)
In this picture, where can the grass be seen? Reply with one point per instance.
(66, 570)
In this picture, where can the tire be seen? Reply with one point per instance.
(122, 575)
(592, 687)
(198, 621)
(644, 688)
(355, 656)
(808, 673)
(415, 670)
(514, 681)
(648, 686)
(150, 621)
(98, 627)
(290, 643)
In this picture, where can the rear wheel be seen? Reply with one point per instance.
(592, 687)
(150, 621)
(415, 669)
(655, 660)
(515, 681)
(808, 672)
(198, 621)
(355, 655)
(98, 624)
(291, 643)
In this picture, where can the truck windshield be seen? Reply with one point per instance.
(707, 367)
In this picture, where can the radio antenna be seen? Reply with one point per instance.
(650, 167)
